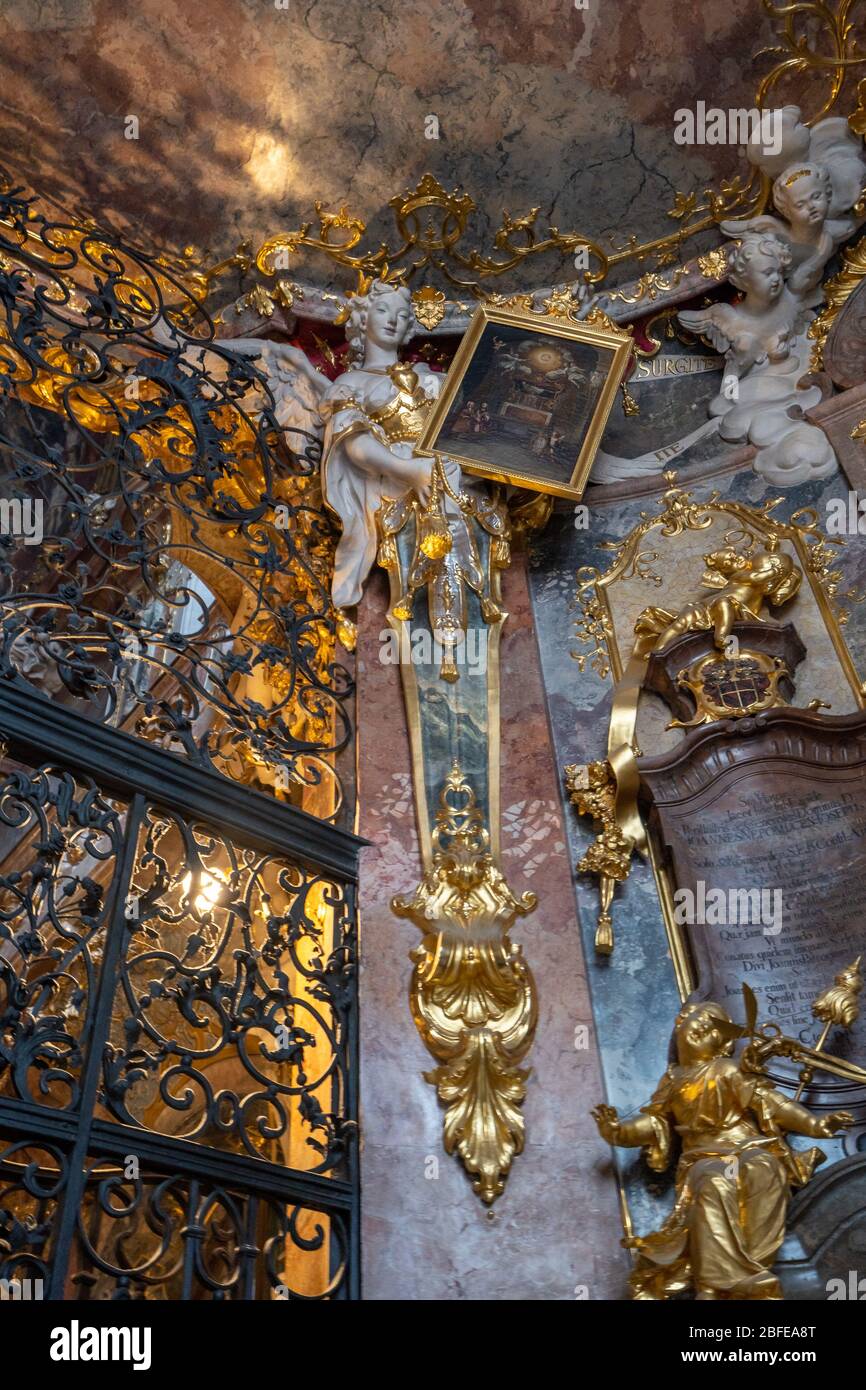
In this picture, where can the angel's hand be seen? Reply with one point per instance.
(838, 1119)
(420, 470)
(779, 347)
(607, 1120)
(742, 357)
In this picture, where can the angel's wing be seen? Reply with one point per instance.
(295, 385)
(713, 323)
(765, 223)
(835, 145)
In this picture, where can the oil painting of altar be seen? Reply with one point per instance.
(526, 402)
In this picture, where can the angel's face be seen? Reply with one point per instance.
(698, 1038)
(805, 202)
(388, 320)
(762, 276)
(701, 1038)
(725, 561)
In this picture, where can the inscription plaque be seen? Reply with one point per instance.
(763, 822)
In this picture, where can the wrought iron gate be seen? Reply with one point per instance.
(177, 1098)
(177, 899)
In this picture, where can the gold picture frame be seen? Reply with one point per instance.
(534, 413)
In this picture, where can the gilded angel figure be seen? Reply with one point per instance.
(734, 1172)
(746, 582)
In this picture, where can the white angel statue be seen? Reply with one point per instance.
(778, 263)
(764, 325)
(373, 477)
(766, 353)
(373, 413)
(368, 418)
(819, 176)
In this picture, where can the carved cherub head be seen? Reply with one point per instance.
(382, 315)
(722, 564)
(757, 266)
(771, 571)
(802, 194)
(704, 1031)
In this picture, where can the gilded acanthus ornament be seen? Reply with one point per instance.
(735, 1169)
(592, 789)
(472, 994)
(836, 291)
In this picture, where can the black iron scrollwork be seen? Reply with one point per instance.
(233, 1000)
(32, 1176)
(179, 586)
(60, 839)
(174, 1238)
(191, 997)
(177, 967)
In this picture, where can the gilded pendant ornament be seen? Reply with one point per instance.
(472, 994)
(429, 306)
(592, 790)
(445, 561)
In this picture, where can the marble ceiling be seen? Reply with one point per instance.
(250, 110)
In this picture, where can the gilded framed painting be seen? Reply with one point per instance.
(526, 399)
